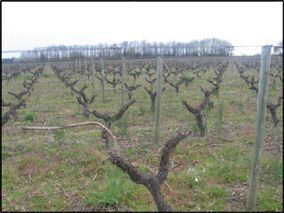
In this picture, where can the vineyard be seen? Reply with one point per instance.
(139, 135)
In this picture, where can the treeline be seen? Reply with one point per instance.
(136, 49)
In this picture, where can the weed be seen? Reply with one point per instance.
(189, 178)
(219, 122)
(147, 133)
(123, 126)
(45, 75)
(142, 110)
(115, 190)
(58, 135)
(273, 168)
(25, 76)
(38, 203)
(276, 169)
(267, 202)
(229, 165)
(131, 152)
(215, 192)
(29, 116)
(187, 77)
(195, 128)
(9, 178)
(11, 199)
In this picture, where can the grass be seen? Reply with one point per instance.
(58, 135)
(190, 178)
(115, 190)
(68, 170)
(10, 178)
(122, 125)
(228, 165)
(29, 116)
(25, 76)
(268, 201)
(273, 168)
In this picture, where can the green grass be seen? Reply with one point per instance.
(273, 168)
(115, 190)
(230, 165)
(29, 116)
(122, 125)
(216, 192)
(58, 135)
(25, 76)
(131, 152)
(189, 178)
(10, 178)
(268, 201)
(142, 110)
(38, 203)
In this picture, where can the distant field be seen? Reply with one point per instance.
(68, 169)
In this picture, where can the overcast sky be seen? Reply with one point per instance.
(26, 25)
